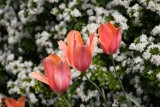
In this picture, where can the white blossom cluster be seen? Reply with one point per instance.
(147, 51)
(43, 22)
(151, 4)
(90, 94)
(121, 20)
(156, 30)
(44, 42)
(140, 46)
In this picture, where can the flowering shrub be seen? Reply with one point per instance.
(30, 29)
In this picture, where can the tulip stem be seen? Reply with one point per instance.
(65, 100)
(119, 80)
(103, 96)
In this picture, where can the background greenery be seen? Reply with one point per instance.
(30, 29)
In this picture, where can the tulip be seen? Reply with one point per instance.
(78, 55)
(58, 75)
(10, 102)
(110, 38)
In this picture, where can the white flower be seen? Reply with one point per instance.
(139, 91)
(150, 72)
(90, 12)
(54, 11)
(120, 19)
(82, 105)
(124, 3)
(76, 13)
(111, 68)
(71, 3)
(138, 47)
(62, 6)
(75, 73)
(138, 60)
(155, 59)
(156, 30)
(92, 27)
(134, 10)
(10, 57)
(1, 11)
(141, 45)
(158, 76)
(99, 10)
(146, 55)
(153, 6)
(143, 38)
(52, 1)
(42, 40)
(39, 2)
(32, 98)
(115, 104)
(137, 79)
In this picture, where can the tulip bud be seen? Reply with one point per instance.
(110, 38)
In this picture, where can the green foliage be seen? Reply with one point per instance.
(154, 51)
(102, 2)
(105, 78)
(100, 74)
(151, 85)
(2, 2)
(133, 100)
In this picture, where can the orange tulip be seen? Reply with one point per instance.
(78, 55)
(58, 75)
(10, 102)
(110, 38)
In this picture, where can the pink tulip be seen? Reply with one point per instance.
(78, 55)
(10, 102)
(110, 38)
(58, 75)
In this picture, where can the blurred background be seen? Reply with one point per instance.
(30, 29)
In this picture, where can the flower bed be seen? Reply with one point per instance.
(30, 31)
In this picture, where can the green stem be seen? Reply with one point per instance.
(65, 100)
(119, 80)
(103, 96)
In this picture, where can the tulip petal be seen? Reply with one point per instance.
(10, 102)
(63, 47)
(104, 47)
(49, 66)
(21, 101)
(119, 36)
(91, 42)
(39, 77)
(107, 30)
(62, 76)
(111, 28)
(54, 58)
(115, 41)
(83, 58)
(73, 43)
(74, 35)
(105, 34)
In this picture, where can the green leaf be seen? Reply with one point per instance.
(30, 104)
(103, 93)
(133, 100)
